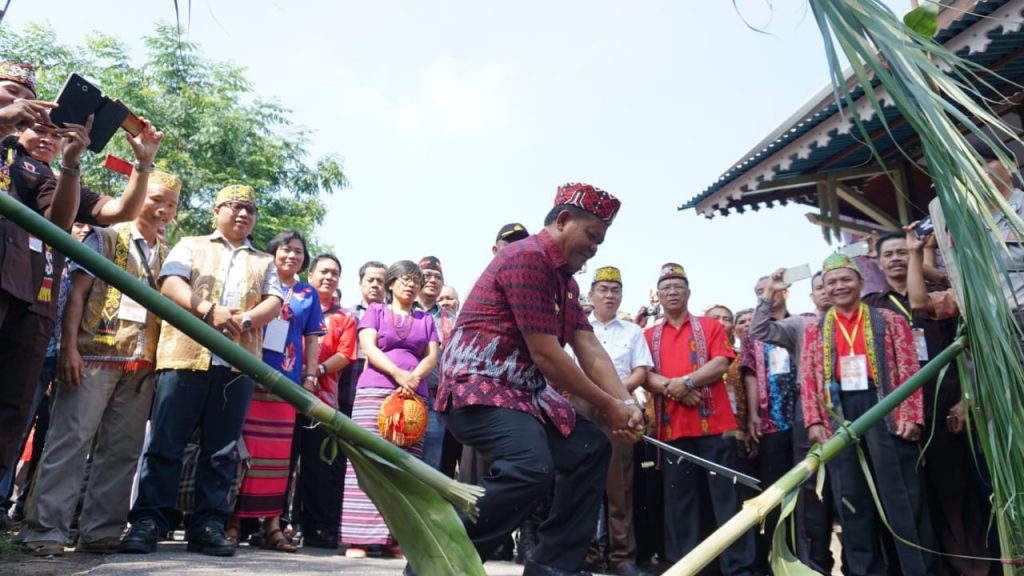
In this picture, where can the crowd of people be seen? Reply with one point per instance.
(535, 390)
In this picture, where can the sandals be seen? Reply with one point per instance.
(276, 540)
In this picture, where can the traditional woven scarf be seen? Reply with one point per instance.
(828, 349)
(106, 332)
(698, 348)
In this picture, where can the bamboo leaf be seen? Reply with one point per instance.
(426, 526)
(783, 561)
(924, 19)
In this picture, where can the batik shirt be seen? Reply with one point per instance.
(527, 288)
(777, 387)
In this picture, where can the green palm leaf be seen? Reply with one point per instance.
(426, 526)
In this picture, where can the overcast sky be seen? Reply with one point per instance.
(455, 117)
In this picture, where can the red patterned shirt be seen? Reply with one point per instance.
(339, 337)
(527, 288)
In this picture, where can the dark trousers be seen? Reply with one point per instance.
(774, 458)
(216, 402)
(318, 497)
(23, 339)
(526, 455)
(813, 516)
(900, 487)
(648, 512)
(684, 501)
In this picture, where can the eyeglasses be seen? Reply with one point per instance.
(237, 207)
(409, 280)
(429, 275)
(603, 290)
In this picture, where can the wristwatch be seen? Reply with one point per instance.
(69, 171)
(246, 322)
(309, 378)
(688, 382)
(144, 168)
(321, 369)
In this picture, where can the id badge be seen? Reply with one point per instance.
(921, 344)
(853, 373)
(131, 311)
(275, 335)
(233, 298)
(35, 244)
(778, 361)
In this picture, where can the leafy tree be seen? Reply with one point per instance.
(217, 130)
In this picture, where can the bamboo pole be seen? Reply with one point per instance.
(756, 509)
(461, 495)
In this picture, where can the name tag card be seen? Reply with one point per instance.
(35, 244)
(778, 361)
(920, 344)
(853, 373)
(233, 298)
(131, 311)
(275, 335)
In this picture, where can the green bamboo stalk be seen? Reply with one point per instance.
(462, 496)
(756, 509)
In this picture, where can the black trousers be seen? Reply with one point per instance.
(813, 516)
(684, 501)
(526, 456)
(23, 339)
(900, 486)
(774, 458)
(319, 486)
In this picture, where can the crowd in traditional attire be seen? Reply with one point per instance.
(530, 387)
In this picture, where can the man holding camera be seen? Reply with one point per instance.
(29, 270)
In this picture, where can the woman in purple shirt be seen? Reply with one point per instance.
(401, 348)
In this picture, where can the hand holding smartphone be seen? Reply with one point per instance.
(796, 274)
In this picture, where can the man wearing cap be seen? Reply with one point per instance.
(105, 388)
(221, 279)
(494, 393)
(692, 412)
(508, 234)
(439, 449)
(625, 345)
(852, 357)
(18, 106)
(30, 271)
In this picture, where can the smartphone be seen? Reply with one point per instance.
(131, 124)
(856, 249)
(796, 273)
(77, 100)
(924, 227)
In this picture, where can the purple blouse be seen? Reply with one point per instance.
(402, 343)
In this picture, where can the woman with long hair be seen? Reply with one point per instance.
(401, 348)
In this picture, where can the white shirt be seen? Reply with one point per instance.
(624, 342)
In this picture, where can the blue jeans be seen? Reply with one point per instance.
(433, 442)
(216, 402)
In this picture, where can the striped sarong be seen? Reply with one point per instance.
(267, 432)
(361, 523)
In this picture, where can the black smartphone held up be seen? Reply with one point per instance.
(924, 227)
(77, 100)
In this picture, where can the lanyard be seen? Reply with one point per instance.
(851, 337)
(145, 261)
(896, 301)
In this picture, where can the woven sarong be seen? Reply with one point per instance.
(267, 433)
(361, 523)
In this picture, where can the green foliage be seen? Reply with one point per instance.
(217, 130)
(924, 19)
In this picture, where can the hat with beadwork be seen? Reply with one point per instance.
(608, 274)
(20, 73)
(403, 418)
(431, 263)
(837, 261)
(672, 270)
(236, 193)
(165, 180)
(588, 198)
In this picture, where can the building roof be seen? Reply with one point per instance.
(818, 140)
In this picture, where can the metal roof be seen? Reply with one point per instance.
(844, 150)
